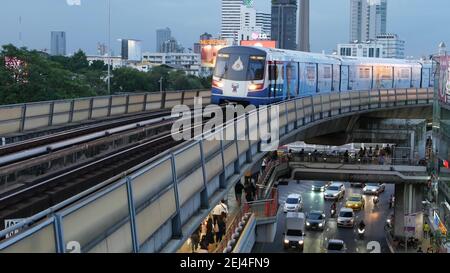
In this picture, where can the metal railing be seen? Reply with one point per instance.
(19, 118)
(150, 204)
(356, 160)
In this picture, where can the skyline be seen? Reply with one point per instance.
(141, 19)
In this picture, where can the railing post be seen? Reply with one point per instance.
(59, 234)
(204, 203)
(176, 221)
(359, 102)
(127, 103)
(379, 98)
(340, 104)
(50, 116)
(222, 178)
(248, 155)
(182, 96)
(313, 112)
(417, 95)
(110, 106)
(296, 114)
(144, 107)
(91, 105)
(132, 212)
(23, 117)
(163, 100)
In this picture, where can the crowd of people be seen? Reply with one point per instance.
(211, 230)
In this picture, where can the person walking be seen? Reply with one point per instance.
(238, 188)
(203, 247)
(195, 240)
(426, 230)
(218, 209)
(221, 228)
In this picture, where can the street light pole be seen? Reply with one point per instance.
(109, 47)
(161, 84)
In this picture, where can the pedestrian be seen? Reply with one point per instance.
(218, 209)
(430, 249)
(209, 231)
(221, 228)
(426, 230)
(346, 156)
(263, 165)
(302, 155)
(195, 240)
(248, 192)
(203, 247)
(419, 250)
(238, 188)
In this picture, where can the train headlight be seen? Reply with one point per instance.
(218, 84)
(255, 87)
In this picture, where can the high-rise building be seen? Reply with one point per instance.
(58, 43)
(384, 46)
(284, 23)
(162, 35)
(263, 22)
(303, 28)
(368, 18)
(131, 50)
(171, 46)
(231, 19)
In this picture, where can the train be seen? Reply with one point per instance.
(262, 76)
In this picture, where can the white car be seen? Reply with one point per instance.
(373, 188)
(335, 191)
(294, 203)
(346, 218)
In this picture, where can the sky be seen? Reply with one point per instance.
(421, 23)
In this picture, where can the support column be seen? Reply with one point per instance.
(408, 200)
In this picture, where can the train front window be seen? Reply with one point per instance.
(238, 67)
(255, 70)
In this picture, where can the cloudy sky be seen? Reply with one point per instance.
(422, 23)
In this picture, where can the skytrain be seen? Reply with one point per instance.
(261, 76)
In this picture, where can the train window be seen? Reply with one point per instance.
(273, 72)
(256, 68)
(221, 66)
(364, 73)
(311, 73)
(327, 72)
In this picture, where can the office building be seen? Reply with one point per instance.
(263, 22)
(303, 28)
(203, 37)
(162, 35)
(131, 50)
(171, 46)
(384, 46)
(393, 46)
(231, 19)
(187, 62)
(58, 43)
(368, 18)
(284, 23)
(369, 50)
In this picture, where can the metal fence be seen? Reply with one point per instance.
(143, 211)
(19, 118)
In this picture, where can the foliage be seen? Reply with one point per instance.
(41, 77)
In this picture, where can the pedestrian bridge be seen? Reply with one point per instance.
(157, 205)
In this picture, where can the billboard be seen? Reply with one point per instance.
(260, 43)
(209, 49)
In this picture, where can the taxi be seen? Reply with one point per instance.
(355, 202)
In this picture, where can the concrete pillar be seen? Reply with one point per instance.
(408, 200)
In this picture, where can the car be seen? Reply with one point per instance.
(320, 186)
(294, 235)
(374, 188)
(335, 191)
(360, 185)
(355, 202)
(293, 203)
(316, 220)
(336, 246)
(346, 218)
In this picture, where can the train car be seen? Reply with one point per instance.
(261, 76)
